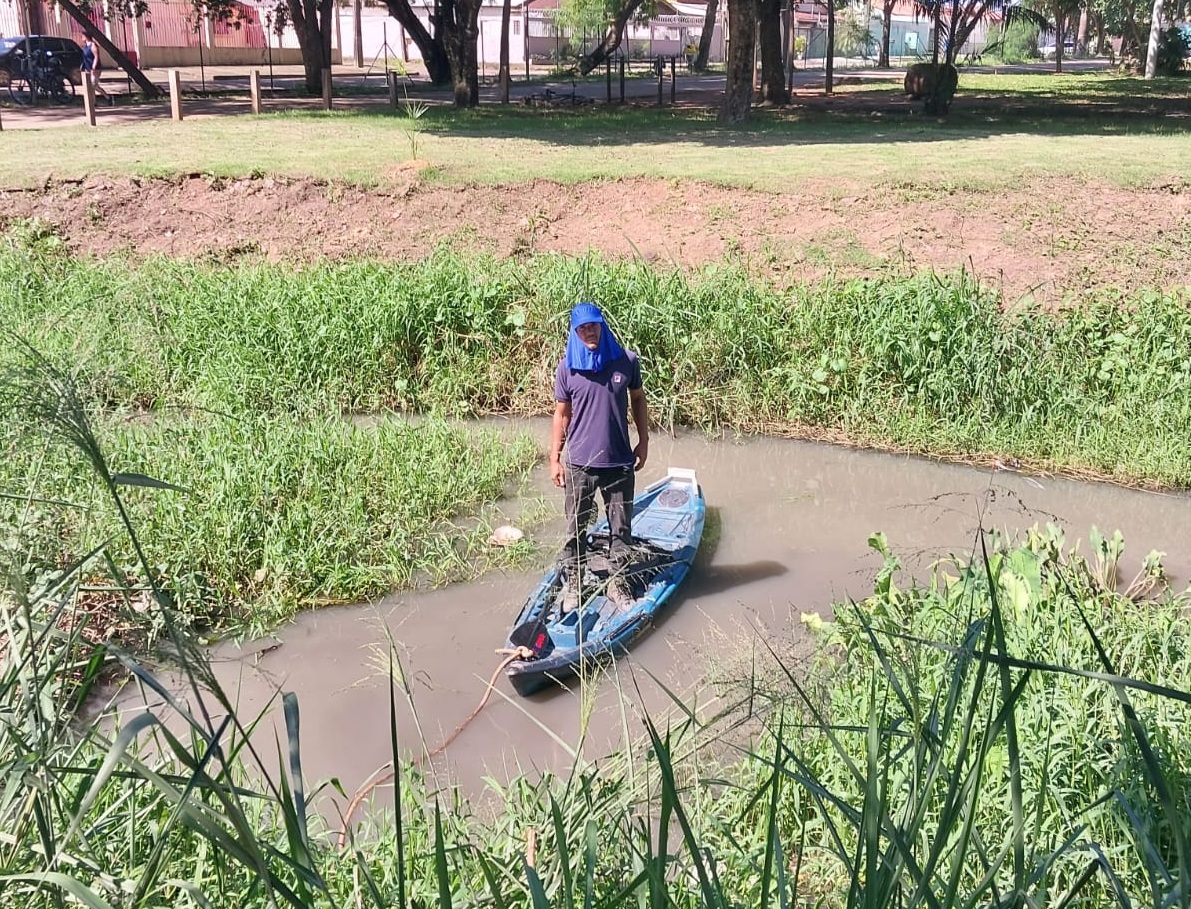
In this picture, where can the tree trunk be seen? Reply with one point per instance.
(1155, 37)
(612, 38)
(886, 33)
(459, 27)
(1130, 37)
(505, 15)
(773, 76)
(326, 9)
(962, 23)
(1081, 36)
(358, 32)
(471, 53)
(118, 56)
(950, 45)
(865, 34)
(709, 16)
(434, 55)
(829, 61)
(451, 33)
(937, 23)
(738, 93)
(311, 20)
(1056, 10)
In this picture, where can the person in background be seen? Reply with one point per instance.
(596, 385)
(93, 68)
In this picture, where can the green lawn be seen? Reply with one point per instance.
(1002, 130)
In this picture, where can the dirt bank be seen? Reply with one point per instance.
(1051, 240)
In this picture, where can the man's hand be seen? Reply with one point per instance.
(558, 438)
(641, 420)
(641, 452)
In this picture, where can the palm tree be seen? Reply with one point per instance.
(1066, 15)
(955, 20)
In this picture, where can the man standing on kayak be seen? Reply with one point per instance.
(596, 384)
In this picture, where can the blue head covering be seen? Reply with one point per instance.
(578, 354)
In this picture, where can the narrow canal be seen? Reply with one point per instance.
(788, 525)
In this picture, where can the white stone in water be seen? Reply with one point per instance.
(505, 536)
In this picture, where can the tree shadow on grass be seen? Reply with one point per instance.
(869, 114)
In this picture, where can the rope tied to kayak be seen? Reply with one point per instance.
(511, 656)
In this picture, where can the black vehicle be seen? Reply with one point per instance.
(47, 64)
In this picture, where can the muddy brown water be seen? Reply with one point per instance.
(787, 529)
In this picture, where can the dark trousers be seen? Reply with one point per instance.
(615, 485)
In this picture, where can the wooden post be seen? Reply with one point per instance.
(254, 90)
(175, 80)
(358, 32)
(622, 80)
(673, 79)
(657, 61)
(391, 78)
(327, 88)
(790, 54)
(89, 99)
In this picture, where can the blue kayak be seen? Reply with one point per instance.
(667, 526)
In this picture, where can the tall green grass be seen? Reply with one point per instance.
(248, 518)
(1012, 734)
(1015, 733)
(931, 364)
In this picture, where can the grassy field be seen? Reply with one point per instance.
(1096, 127)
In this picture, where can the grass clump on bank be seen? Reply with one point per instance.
(249, 518)
(928, 364)
(1018, 726)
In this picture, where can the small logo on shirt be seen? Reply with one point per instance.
(618, 379)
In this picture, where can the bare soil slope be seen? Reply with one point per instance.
(1052, 241)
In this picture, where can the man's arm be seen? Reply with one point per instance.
(558, 437)
(641, 420)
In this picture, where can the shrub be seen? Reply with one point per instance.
(1174, 50)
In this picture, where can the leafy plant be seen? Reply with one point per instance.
(1174, 50)
(413, 112)
(1018, 43)
(966, 755)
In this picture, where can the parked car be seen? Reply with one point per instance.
(1048, 50)
(14, 48)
